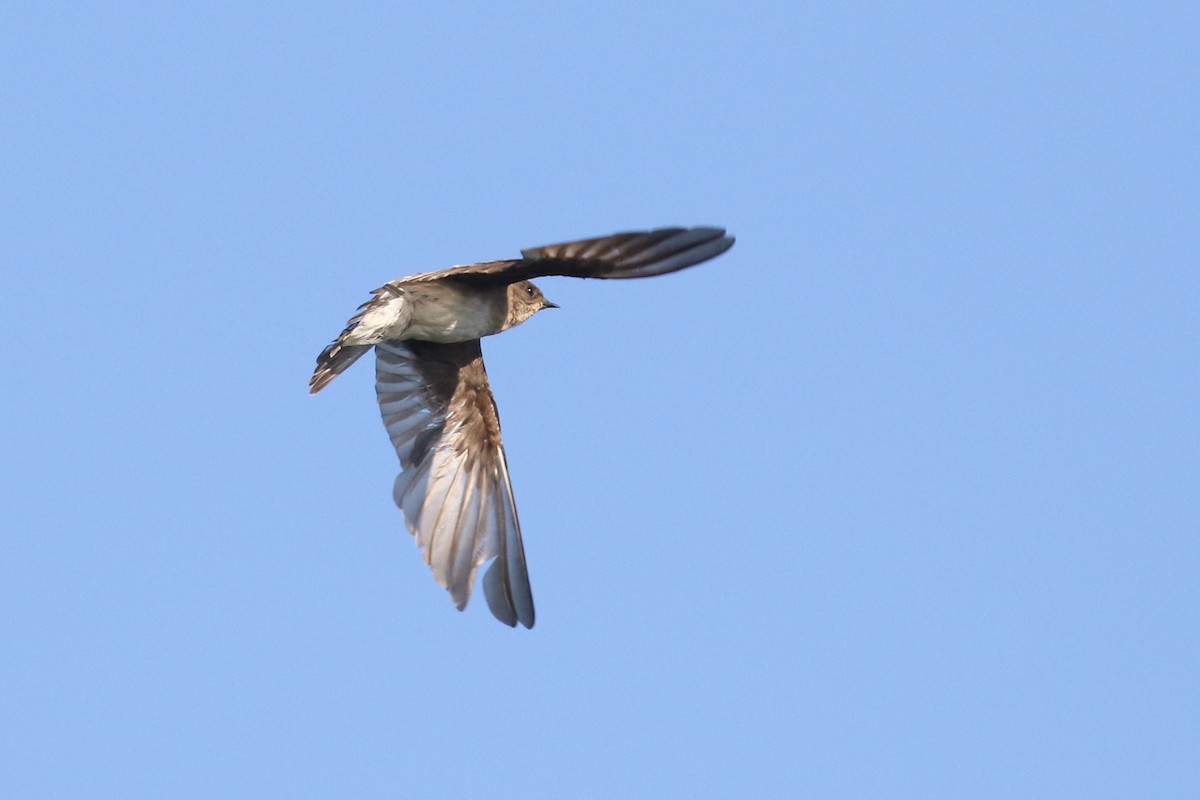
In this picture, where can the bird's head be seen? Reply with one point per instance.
(525, 300)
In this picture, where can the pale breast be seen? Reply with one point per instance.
(445, 312)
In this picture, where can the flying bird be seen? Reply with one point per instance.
(438, 409)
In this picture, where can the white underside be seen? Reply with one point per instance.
(462, 320)
(379, 324)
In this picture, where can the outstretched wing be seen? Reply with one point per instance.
(453, 486)
(622, 255)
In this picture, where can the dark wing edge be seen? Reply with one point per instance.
(621, 255)
(628, 255)
(454, 487)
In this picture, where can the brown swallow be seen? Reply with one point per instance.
(433, 392)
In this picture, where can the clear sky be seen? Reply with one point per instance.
(898, 498)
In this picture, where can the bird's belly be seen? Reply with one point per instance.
(459, 321)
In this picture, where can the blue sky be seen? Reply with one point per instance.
(898, 498)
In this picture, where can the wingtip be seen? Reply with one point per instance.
(713, 233)
(501, 602)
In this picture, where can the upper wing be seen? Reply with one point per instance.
(622, 255)
(453, 486)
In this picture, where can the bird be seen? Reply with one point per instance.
(454, 488)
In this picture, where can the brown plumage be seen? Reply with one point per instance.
(433, 393)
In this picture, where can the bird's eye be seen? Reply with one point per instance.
(529, 291)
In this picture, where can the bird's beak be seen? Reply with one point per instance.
(548, 304)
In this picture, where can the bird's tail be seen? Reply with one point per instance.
(333, 361)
